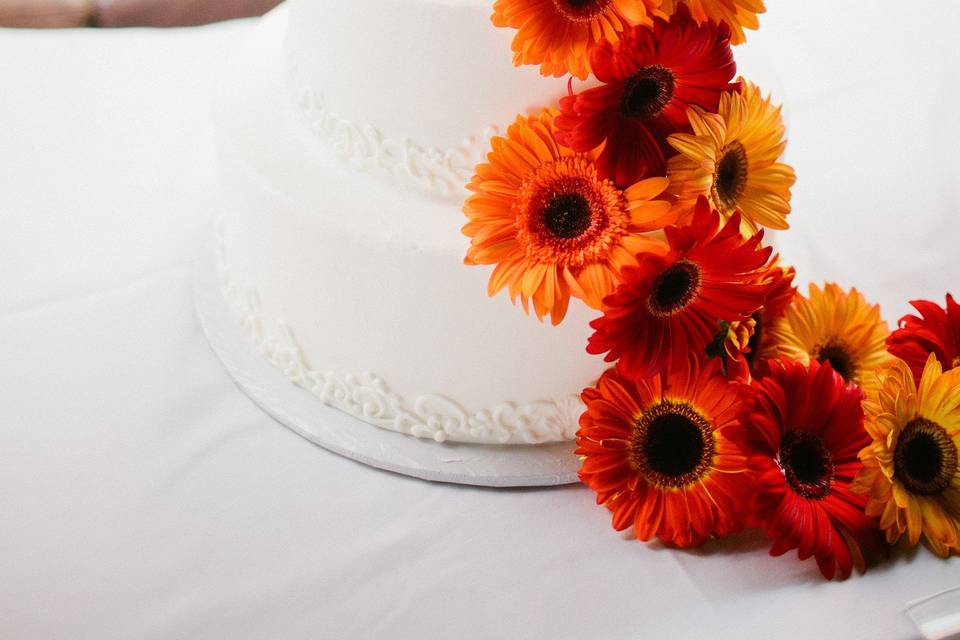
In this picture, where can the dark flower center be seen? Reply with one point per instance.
(674, 288)
(567, 215)
(581, 10)
(925, 458)
(730, 176)
(673, 444)
(839, 358)
(806, 464)
(955, 363)
(647, 92)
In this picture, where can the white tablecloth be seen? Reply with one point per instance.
(143, 496)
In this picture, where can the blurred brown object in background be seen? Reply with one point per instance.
(126, 13)
(46, 13)
(175, 13)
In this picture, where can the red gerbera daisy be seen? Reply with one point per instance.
(669, 306)
(650, 78)
(937, 331)
(782, 292)
(802, 428)
(656, 452)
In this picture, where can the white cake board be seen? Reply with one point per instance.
(298, 409)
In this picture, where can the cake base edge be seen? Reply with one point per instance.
(299, 410)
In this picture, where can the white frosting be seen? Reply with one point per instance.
(369, 397)
(352, 274)
(440, 172)
(412, 89)
(433, 71)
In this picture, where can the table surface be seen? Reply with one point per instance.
(143, 496)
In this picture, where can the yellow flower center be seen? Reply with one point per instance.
(581, 10)
(730, 177)
(672, 445)
(806, 464)
(924, 458)
(838, 355)
(674, 289)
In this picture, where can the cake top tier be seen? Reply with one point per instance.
(435, 74)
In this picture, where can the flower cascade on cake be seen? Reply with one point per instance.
(731, 400)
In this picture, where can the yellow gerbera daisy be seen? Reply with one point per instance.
(736, 13)
(732, 158)
(910, 471)
(834, 325)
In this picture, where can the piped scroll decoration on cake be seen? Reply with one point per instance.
(369, 397)
(434, 171)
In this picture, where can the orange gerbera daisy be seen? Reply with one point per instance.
(738, 14)
(656, 452)
(732, 157)
(560, 34)
(835, 325)
(541, 213)
(910, 471)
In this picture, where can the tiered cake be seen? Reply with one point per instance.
(348, 133)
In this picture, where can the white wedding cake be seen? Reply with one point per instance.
(347, 133)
